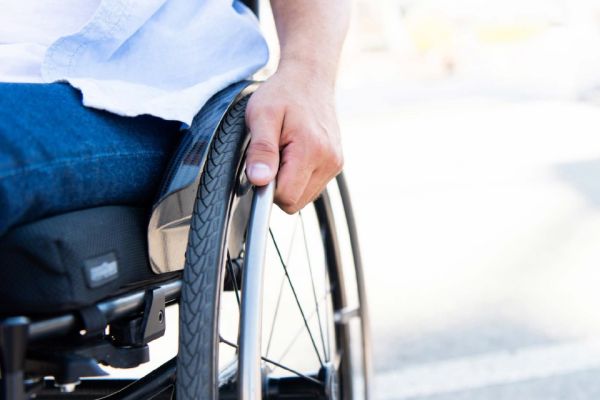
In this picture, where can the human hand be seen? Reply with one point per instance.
(294, 136)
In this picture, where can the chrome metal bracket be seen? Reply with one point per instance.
(171, 215)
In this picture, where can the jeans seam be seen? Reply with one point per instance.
(79, 160)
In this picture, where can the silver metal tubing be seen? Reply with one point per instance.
(112, 309)
(250, 380)
(367, 358)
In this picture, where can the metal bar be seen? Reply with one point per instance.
(149, 385)
(250, 381)
(13, 346)
(325, 215)
(156, 385)
(88, 389)
(112, 309)
(291, 387)
(275, 363)
(360, 280)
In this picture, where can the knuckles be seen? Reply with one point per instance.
(337, 161)
(317, 147)
(328, 154)
(287, 204)
(259, 109)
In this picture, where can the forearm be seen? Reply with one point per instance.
(311, 34)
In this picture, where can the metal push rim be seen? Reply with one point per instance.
(250, 381)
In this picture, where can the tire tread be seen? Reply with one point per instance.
(198, 336)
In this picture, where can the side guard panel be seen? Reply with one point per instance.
(170, 221)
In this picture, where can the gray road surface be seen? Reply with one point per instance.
(480, 224)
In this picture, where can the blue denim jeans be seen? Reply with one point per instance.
(57, 156)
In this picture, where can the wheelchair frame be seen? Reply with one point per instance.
(19, 333)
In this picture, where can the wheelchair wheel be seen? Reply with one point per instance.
(314, 341)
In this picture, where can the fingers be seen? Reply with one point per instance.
(304, 172)
(315, 186)
(294, 136)
(262, 158)
(294, 175)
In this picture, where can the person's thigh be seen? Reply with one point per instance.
(57, 156)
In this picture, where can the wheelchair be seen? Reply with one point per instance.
(90, 288)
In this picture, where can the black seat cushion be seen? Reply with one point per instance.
(73, 260)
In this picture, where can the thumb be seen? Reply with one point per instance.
(262, 157)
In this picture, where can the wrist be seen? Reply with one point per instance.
(304, 69)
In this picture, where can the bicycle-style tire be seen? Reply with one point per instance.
(206, 256)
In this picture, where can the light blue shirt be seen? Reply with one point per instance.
(160, 57)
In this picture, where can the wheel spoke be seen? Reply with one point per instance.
(281, 284)
(301, 329)
(279, 365)
(327, 313)
(312, 339)
(314, 290)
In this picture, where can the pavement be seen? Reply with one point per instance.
(480, 225)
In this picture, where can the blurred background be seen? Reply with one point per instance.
(472, 143)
